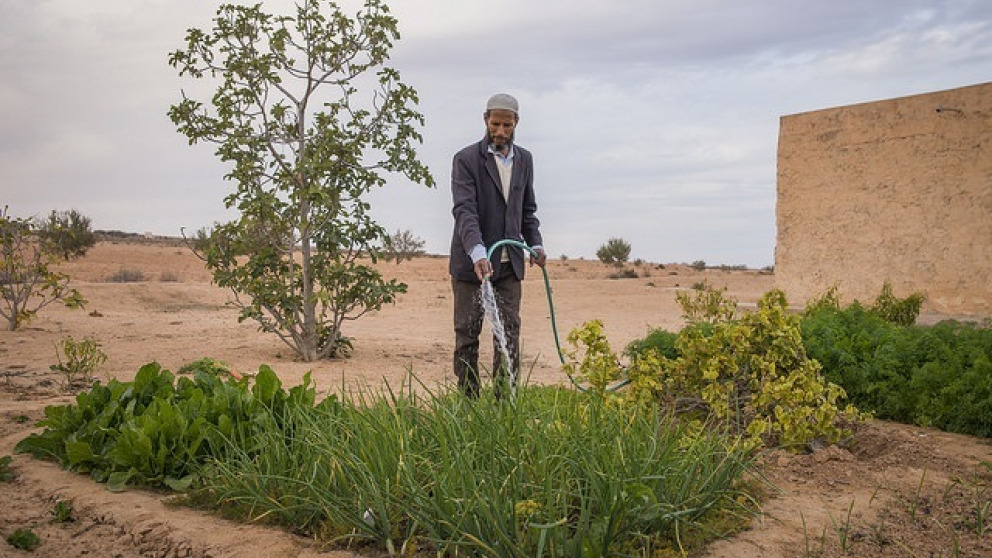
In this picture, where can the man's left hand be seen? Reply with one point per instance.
(541, 258)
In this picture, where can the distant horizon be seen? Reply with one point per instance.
(113, 233)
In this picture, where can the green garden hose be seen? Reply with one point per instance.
(551, 307)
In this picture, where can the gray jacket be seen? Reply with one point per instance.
(483, 216)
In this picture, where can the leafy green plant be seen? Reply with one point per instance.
(616, 251)
(62, 512)
(698, 265)
(706, 304)
(24, 539)
(939, 376)
(750, 374)
(557, 473)
(157, 429)
(311, 119)
(895, 310)
(28, 277)
(82, 358)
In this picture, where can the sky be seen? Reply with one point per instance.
(654, 121)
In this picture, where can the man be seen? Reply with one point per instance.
(492, 186)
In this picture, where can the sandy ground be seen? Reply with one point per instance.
(896, 491)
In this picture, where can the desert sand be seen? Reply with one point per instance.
(896, 490)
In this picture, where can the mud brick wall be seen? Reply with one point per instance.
(897, 190)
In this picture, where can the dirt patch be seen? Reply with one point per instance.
(893, 490)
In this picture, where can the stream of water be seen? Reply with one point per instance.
(496, 323)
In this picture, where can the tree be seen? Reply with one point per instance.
(68, 233)
(28, 281)
(311, 119)
(403, 245)
(616, 251)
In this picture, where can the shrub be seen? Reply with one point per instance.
(24, 539)
(67, 233)
(616, 251)
(82, 358)
(403, 245)
(625, 273)
(659, 340)
(62, 512)
(750, 375)
(126, 275)
(939, 376)
(899, 311)
(28, 280)
(698, 265)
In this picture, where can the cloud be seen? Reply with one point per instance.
(656, 120)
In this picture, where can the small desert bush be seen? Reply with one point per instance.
(169, 277)
(126, 275)
(625, 273)
(24, 538)
(82, 358)
(615, 252)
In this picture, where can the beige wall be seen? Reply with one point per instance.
(893, 190)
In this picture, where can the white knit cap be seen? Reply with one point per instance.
(502, 101)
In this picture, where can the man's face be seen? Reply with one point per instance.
(500, 125)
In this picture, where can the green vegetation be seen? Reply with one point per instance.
(311, 120)
(555, 473)
(6, 475)
(82, 358)
(28, 280)
(939, 376)
(62, 512)
(24, 539)
(67, 233)
(616, 252)
(747, 375)
(403, 245)
(126, 275)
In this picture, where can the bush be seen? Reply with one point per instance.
(126, 275)
(625, 273)
(28, 279)
(616, 252)
(750, 376)
(82, 358)
(939, 376)
(403, 245)
(24, 539)
(67, 233)
(899, 311)
(698, 265)
(659, 340)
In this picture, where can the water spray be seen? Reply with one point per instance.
(495, 321)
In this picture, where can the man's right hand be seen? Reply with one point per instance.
(483, 269)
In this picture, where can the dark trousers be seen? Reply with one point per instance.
(469, 315)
